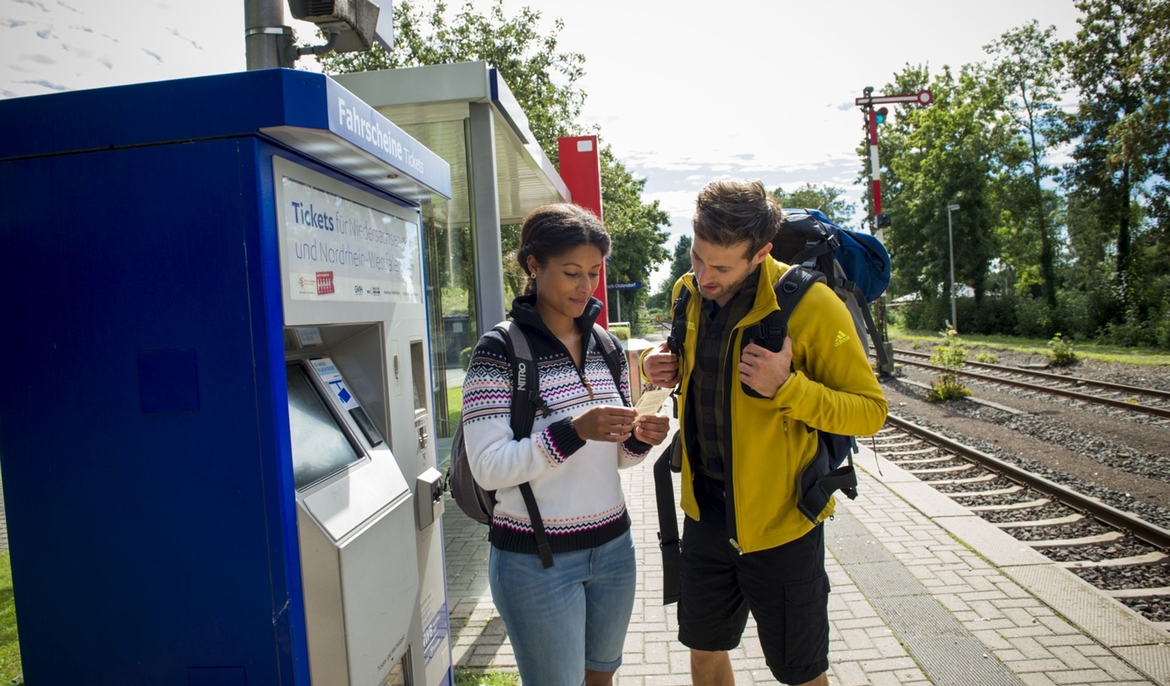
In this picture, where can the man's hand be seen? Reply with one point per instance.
(661, 366)
(765, 371)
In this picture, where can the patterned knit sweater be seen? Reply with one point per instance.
(575, 482)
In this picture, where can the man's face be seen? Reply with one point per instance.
(721, 270)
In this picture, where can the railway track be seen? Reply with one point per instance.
(1116, 551)
(1154, 402)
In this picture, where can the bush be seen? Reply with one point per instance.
(1061, 352)
(986, 357)
(622, 332)
(950, 355)
(924, 315)
(1033, 318)
(465, 358)
(993, 315)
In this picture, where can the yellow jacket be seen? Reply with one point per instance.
(832, 388)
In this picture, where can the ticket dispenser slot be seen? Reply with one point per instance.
(429, 485)
(354, 524)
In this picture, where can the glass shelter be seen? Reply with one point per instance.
(467, 115)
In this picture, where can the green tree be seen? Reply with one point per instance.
(1028, 67)
(826, 198)
(637, 236)
(543, 78)
(947, 153)
(1102, 174)
(680, 264)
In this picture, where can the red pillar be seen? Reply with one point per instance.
(581, 172)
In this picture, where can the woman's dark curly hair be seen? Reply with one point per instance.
(552, 230)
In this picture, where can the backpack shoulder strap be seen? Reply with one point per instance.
(525, 401)
(678, 321)
(526, 398)
(790, 288)
(613, 357)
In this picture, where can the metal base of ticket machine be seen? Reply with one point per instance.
(216, 448)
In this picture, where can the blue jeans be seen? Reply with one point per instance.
(570, 617)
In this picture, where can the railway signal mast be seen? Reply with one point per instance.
(872, 106)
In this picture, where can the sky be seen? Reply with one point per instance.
(683, 92)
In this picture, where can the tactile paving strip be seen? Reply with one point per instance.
(946, 651)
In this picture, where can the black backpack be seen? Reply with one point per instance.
(816, 483)
(855, 264)
(473, 499)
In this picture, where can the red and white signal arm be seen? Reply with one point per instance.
(922, 97)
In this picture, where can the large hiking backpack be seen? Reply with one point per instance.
(479, 503)
(855, 264)
(825, 475)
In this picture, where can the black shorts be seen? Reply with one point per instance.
(785, 588)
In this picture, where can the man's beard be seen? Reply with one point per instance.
(727, 290)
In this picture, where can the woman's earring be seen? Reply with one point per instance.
(532, 276)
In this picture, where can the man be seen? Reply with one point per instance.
(746, 415)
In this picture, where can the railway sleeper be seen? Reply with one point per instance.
(1107, 537)
(990, 476)
(890, 455)
(1147, 558)
(1057, 521)
(1139, 592)
(1009, 506)
(1000, 491)
(942, 470)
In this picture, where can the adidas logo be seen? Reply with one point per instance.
(841, 338)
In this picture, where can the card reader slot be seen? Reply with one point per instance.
(363, 421)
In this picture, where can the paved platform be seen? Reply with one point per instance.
(924, 592)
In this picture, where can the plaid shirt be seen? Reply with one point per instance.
(708, 381)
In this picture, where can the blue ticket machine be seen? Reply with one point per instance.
(214, 426)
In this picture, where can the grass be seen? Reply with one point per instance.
(10, 665)
(1039, 346)
(469, 677)
(454, 406)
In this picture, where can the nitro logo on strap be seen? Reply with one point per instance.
(521, 376)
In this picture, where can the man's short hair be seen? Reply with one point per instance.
(730, 212)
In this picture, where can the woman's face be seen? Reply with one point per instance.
(565, 282)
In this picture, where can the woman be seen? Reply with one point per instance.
(567, 624)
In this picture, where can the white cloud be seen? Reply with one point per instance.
(683, 93)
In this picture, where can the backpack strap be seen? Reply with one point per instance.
(883, 360)
(678, 321)
(770, 331)
(815, 248)
(526, 401)
(668, 540)
(613, 358)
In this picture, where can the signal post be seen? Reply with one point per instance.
(878, 219)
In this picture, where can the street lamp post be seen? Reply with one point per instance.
(951, 242)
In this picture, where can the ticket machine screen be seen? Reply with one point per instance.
(319, 446)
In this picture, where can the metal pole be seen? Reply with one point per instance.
(881, 307)
(951, 242)
(267, 40)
